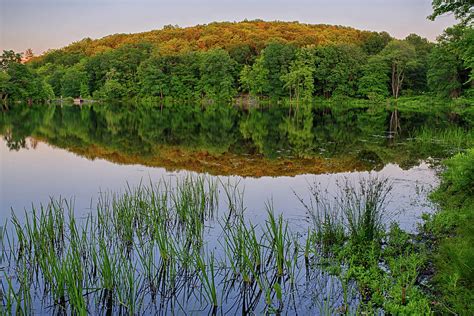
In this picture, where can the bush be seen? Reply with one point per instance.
(458, 179)
(454, 257)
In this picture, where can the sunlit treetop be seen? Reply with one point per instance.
(227, 35)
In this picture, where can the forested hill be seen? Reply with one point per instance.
(227, 35)
(221, 61)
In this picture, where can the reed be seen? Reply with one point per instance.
(148, 245)
(207, 275)
(453, 139)
(277, 235)
(363, 206)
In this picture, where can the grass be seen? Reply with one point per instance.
(277, 236)
(446, 142)
(207, 276)
(146, 251)
(356, 212)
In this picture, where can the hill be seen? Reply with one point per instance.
(226, 35)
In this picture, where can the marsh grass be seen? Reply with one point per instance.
(357, 211)
(146, 251)
(451, 140)
(278, 238)
(364, 208)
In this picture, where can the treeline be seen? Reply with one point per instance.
(298, 62)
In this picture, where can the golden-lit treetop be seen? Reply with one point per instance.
(256, 34)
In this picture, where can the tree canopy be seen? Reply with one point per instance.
(220, 61)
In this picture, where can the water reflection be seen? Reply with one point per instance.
(223, 140)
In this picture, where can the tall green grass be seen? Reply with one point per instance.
(356, 211)
(449, 141)
(146, 250)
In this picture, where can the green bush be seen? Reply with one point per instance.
(453, 229)
(458, 179)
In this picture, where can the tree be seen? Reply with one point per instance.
(400, 56)
(4, 86)
(450, 63)
(20, 82)
(243, 55)
(175, 76)
(375, 79)
(9, 57)
(338, 68)
(265, 75)
(299, 80)
(28, 55)
(443, 73)
(125, 61)
(53, 75)
(112, 88)
(416, 76)
(276, 60)
(375, 42)
(216, 68)
(462, 9)
(467, 53)
(185, 76)
(254, 79)
(154, 77)
(73, 80)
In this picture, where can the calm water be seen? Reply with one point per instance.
(77, 153)
(33, 176)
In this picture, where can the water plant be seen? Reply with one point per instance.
(146, 251)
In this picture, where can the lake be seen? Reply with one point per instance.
(259, 158)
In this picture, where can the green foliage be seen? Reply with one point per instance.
(462, 9)
(111, 90)
(216, 70)
(72, 81)
(338, 69)
(19, 82)
(188, 76)
(8, 58)
(123, 61)
(268, 70)
(467, 52)
(299, 79)
(286, 60)
(375, 79)
(459, 176)
(450, 63)
(400, 57)
(376, 42)
(443, 76)
(53, 75)
(254, 78)
(416, 76)
(454, 256)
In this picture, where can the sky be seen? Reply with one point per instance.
(48, 24)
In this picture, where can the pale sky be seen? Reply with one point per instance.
(44, 24)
